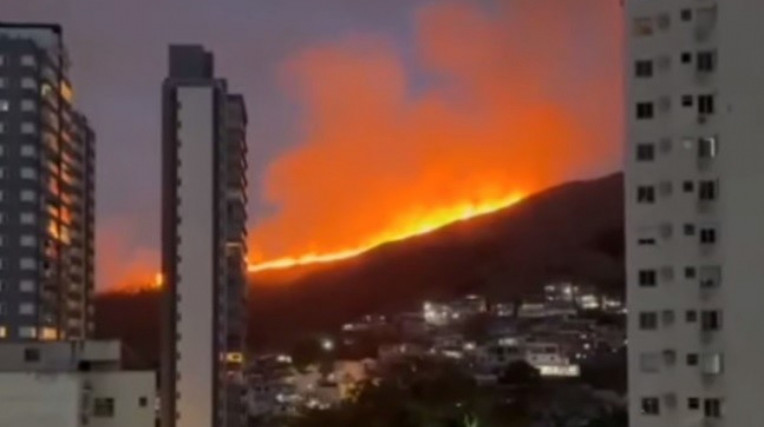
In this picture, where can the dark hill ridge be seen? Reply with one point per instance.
(573, 231)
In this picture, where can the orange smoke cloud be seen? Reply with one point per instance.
(515, 99)
(124, 266)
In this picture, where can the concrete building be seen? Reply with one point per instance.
(694, 229)
(73, 384)
(203, 245)
(47, 208)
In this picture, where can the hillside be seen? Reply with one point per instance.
(573, 231)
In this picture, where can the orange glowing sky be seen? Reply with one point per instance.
(518, 98)
(399, 134)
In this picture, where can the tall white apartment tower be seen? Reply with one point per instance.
(203, 245)
(694, 152)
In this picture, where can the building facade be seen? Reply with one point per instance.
(47, 191)
(203, 245)
(73, 384)
(694, 230)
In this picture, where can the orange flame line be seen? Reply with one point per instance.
(428, 224)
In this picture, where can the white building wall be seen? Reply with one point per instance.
(658, 359)
(134, 395)
(195, 269)
(40, 400)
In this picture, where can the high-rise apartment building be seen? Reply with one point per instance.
(203, 245)
(47, 153)
(695, 212)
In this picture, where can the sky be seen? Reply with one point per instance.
(396, 68)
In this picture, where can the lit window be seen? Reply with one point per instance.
(4, 105)
(28, 241)
(28, 332)
(28, 173)
(27, 218)
(28, 196)
(651, 406)
(648, 320)
(28, 128)
(28, 151)
(28, 105)
(28, 83)
(27, 286)
(48, 334)
(712, 364)
(28, 61)
(26, 309)
(3, 332)
(27, 264)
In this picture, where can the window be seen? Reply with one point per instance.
(28, 61)
(667, 317)
(687, 101)
(643, 68)
(28, 83)
(688, 186)
(28, 173)
(707, 236)
(143, 401)
(648, 320)
(3, 310)
(706, 104)
(711, 320)
(649, 362)
(28, 151)
(691, 316)
(103, 407)
(707, 190)
(28, 332)
(712, 364)
(706, 61)
(645, 152)
(689, 229)
(712, 408)
(28, 128)
(693, 403)
(648, 278)
(3, 331)
(28, 105)
(28, 196)
(31, 354)
(27, 286)
(26, 309)
(642, 26)
(690, 272)
(645, 194)
(710, 276)
(686, 15)
(651, 406)
(645, 110)
(2, 127)
(686, 57)
(27, 264)
(3, 83)
(4, 105)
(27, 218)
(707, 148)
(692, 359)
(28, 241)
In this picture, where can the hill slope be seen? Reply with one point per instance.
(570, 232)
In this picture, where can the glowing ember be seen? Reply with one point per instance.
(416, 226)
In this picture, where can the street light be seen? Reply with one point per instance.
(327, 345)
